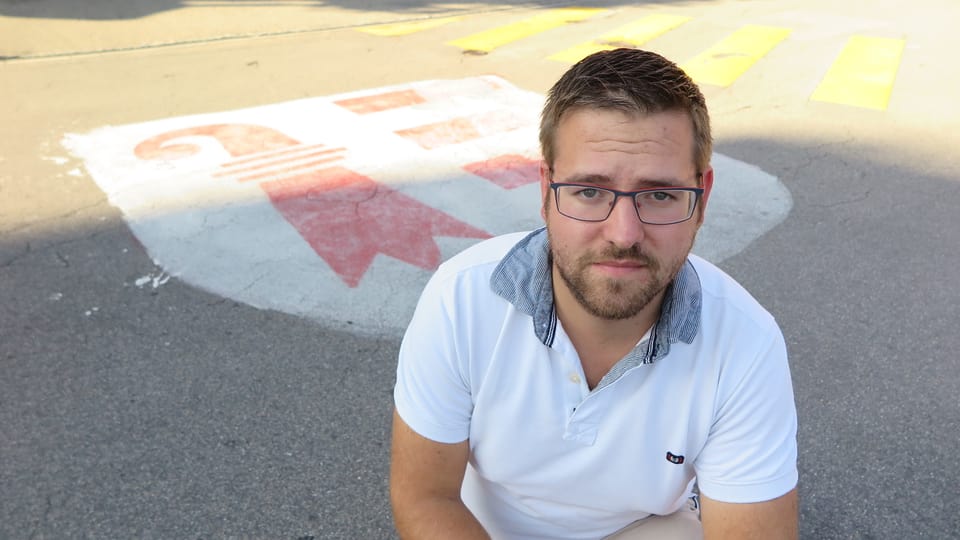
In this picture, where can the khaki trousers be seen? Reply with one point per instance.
(684, 524)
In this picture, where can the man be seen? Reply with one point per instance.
(580, 381)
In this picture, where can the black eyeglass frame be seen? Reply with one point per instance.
(697, 191)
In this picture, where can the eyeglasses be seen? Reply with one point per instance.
(655, 206)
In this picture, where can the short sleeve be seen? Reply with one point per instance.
(432, 393)
(751, 451)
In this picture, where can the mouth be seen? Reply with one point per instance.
(621, 262)
(619, 268)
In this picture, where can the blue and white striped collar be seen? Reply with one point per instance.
(523, 278)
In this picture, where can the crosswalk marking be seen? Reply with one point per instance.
(723, 63)
(863, 74)
(631, 35)
(489, 40)
(404, 28)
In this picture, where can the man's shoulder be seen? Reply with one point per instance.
(474, 265)
(480, 258)
(722, 295)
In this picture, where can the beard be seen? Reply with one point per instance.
(613, 298)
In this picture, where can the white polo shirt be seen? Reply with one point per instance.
(706, 394)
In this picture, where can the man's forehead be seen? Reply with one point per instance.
(609, 129)
(651, 127)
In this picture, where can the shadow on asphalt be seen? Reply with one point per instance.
(169, 412)
(855, 276)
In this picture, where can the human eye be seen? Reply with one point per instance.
(663, 197)
(587, 194)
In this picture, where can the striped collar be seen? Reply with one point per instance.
(523, 278)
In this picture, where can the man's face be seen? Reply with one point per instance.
(614, 268)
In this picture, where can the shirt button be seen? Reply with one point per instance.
(574, 378)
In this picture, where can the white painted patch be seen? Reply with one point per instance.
(55, 297)
(154, 281)
(745, 203)
(339, 208)
(74, 172)
(56, 159)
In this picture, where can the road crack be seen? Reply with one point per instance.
(28, 250)
(48, 508)
(65, 215)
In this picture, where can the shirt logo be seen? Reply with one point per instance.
(675, 459)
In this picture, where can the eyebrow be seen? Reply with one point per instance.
(601, 180)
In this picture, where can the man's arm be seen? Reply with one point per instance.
(425, 479)
(776, 519)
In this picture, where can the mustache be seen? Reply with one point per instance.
(632, 254)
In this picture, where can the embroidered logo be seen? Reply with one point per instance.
(675, 459)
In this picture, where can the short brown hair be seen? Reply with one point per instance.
(632, 81)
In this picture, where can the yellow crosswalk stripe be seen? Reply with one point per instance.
(631, 35)
(863, 74)
(723, 63)
(409, 27)
(491, 39)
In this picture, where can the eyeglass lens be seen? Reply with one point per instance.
(654, 207)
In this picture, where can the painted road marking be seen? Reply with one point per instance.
(381, 102)
(236, 139)
(408, 27)
(631, 35)
(246, 170)
(726, 61)
(239, 204)
(333, 205)
(509, 172)
(274, 154)
(461, 129)
(329, 207)
(484, 42)
(863, 74)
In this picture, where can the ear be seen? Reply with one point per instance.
(707, 179)
(544, 187)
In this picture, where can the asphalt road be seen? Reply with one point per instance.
(157, 410)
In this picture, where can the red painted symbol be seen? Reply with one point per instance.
(346, 218)
(381, 102)
(299, 159)
(508, 171)
(462, 129)
(237, 139)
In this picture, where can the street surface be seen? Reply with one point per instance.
(216, 216)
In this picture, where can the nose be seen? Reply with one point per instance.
(623, 228)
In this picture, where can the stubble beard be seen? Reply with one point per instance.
(610, 298)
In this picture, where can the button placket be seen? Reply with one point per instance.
(576, 393)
